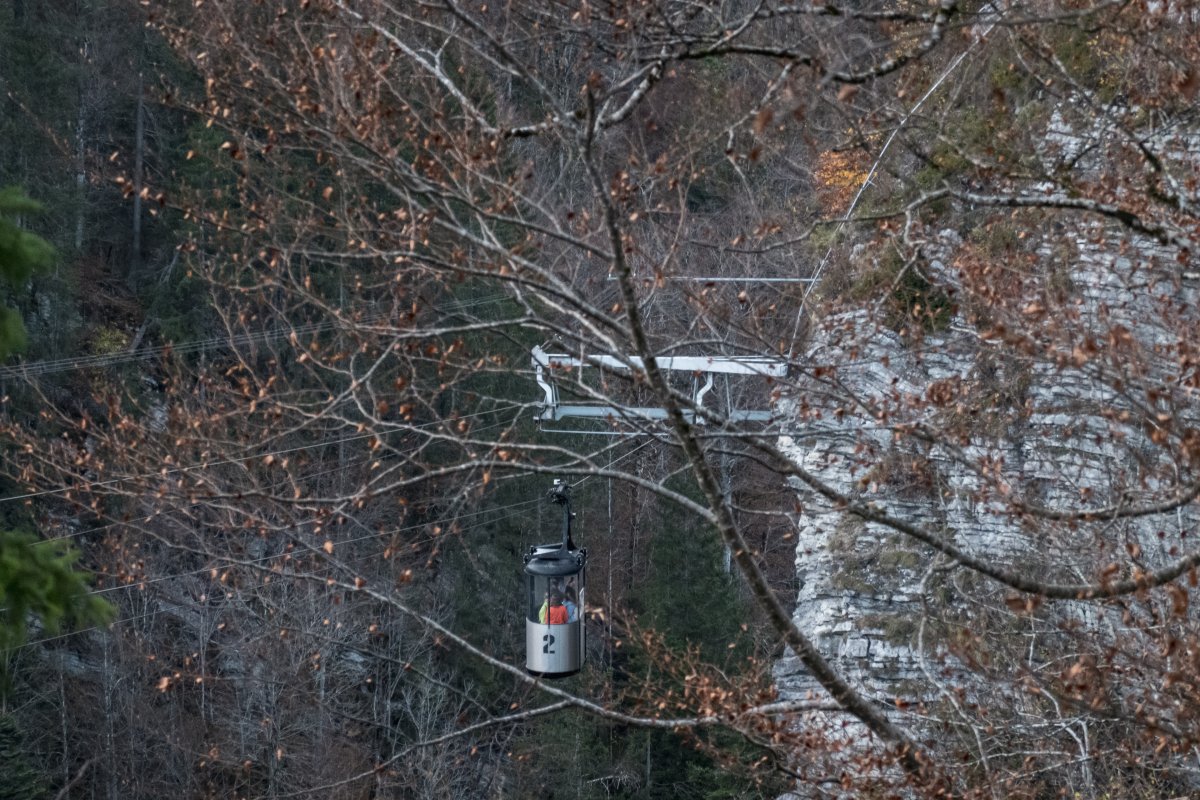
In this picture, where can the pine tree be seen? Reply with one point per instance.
(40, 579)
(21, 252)
(18, 779)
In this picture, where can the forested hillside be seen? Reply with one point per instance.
(863, 336)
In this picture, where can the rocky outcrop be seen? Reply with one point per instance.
(1061, 376)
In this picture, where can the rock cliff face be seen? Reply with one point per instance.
(1060, 376)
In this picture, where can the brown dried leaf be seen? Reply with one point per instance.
(1179, 599)
(762, 119)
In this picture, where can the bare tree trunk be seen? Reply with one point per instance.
(80, 150)
(727, 494)
(12, 106)
(109, 717)
(139, 150)
(62, 716)
(205, 634)
(646, 784)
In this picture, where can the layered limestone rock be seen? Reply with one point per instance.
(1060, 376)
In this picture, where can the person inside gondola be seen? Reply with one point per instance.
(555, 586)
(571, 605)
(556, 614)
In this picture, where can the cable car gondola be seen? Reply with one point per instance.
(555, 581)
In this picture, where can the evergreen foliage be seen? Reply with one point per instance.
(40, 579)
(18, 778)
(21, 253)
(688, 595)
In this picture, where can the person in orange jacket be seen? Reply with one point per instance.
(556, 614)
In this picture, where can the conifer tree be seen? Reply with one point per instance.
(21, 253)
(37, 578)
(20, 780)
